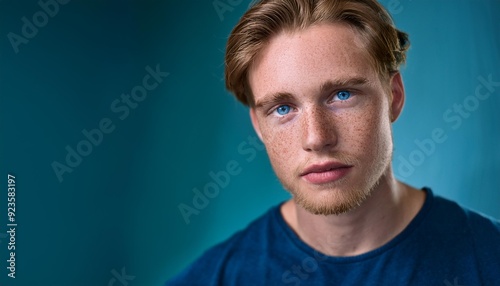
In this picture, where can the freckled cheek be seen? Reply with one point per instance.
(362, 133)
(279, 143)
(378, 133)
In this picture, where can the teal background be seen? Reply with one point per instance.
(118, 209)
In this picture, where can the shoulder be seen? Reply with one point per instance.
(479, 231)
(483, 230)
(458, 215)
(213, 266)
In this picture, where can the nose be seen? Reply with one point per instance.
(318, 130)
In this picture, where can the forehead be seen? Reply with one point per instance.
(301, 61)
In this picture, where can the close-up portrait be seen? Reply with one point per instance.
(258, 142)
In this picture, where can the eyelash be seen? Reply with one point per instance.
(335, 94)
(274, 110)
(331, 100)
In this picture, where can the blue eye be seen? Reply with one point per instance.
(283, 109)
(343, 95)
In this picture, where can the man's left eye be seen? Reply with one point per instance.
(343, 95)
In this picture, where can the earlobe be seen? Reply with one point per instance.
(398, 96)
(255, 123)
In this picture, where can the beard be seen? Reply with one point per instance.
(344, 194)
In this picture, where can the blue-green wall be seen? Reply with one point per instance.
(118, 208)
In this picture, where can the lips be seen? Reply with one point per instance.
(325, 172)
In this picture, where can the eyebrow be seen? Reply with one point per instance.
(355, 81)
(276, 97)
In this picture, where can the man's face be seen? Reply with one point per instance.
(323, 115)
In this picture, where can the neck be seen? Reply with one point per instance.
(385, 213)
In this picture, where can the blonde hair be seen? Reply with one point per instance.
(385, 44)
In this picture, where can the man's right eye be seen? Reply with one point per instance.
(283, 109)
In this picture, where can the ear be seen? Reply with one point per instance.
(255, 123)
(398, 96)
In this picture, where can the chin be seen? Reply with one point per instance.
(332, 199)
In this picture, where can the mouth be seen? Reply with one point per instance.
(325, 172)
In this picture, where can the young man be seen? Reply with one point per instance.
(322, 83)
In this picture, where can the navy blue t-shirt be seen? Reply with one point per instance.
(445, 244)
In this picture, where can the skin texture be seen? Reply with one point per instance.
(363, 206)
